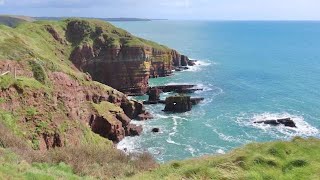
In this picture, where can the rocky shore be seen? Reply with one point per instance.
(80, 71)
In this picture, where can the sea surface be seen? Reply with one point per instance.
(249, 71)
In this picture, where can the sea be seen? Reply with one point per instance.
(249, 71)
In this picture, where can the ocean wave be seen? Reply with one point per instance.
(199, 64)
(303, 128)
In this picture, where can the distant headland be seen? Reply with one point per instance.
(105, 19)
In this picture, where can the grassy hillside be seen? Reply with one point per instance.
(35, 112)
(14, 21)
(299, 159)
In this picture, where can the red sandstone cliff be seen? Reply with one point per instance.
(122, 66)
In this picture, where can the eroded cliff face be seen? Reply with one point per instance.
(49, 97)
(51, 116)
(121, 66)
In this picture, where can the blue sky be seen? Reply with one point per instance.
(171, 9)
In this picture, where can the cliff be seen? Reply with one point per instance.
(115, 57)
(49, 72)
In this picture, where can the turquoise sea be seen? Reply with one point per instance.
(249, 71)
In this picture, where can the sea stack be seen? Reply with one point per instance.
(178, 104)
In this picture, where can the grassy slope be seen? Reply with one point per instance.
(13, 167)
(33, 46)
(14, 21)
(299, 159)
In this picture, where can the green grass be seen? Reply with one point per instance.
(299, 159)
(11, 122)
(13, 167)
(13, 21)
(106, 110)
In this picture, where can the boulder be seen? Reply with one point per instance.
(286, 122)
(155, 130)
(178, 104)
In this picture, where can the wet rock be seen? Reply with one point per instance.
(155, 130)
(286, 122)
(196, 101)
(178, 104)
(192, 62)
(133, 130)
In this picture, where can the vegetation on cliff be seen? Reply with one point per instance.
(50, 108)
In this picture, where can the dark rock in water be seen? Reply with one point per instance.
(155, 130)
(154, 94)
(186, 68)
(178, 69)
(133, 130)
(187, 91)
(192, 62)
(178, 104)
(286, 122)
(196, 101)
(174, 88)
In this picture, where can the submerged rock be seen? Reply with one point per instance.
(286, 122)
(178, 104)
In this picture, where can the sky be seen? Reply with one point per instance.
(168, 9)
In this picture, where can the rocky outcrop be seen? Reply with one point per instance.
(154, 94)
(178, 104)
(67, 102)
(115, 63)
(286, 122)
(133, 130)
(178, 88)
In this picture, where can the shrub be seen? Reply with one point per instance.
(39, 72)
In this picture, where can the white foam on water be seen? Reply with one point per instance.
(220, 151)
(199, 64)
(303, 128)
(191, 150)
(129, 145)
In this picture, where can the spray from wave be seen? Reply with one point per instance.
(303, 129)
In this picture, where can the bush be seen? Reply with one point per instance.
(39, 72)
